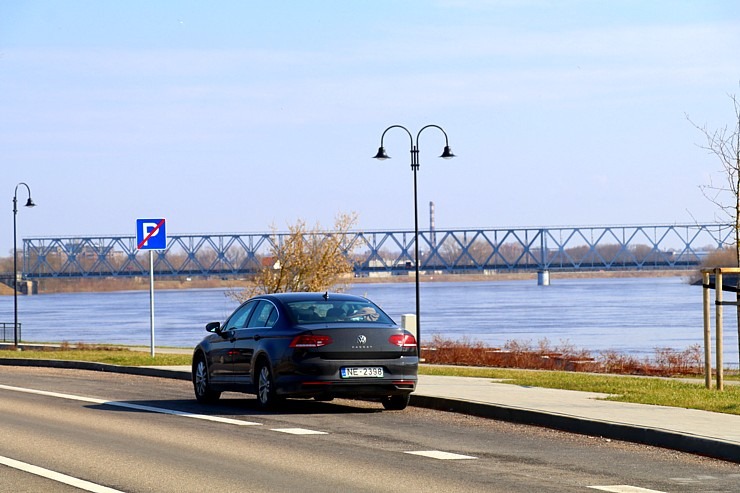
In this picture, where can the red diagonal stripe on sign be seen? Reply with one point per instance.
(151, 233)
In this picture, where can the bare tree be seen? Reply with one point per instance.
(724, 143)
(305, 259)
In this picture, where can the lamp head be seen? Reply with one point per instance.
(29, 203)
(381, 154)
(447, 153)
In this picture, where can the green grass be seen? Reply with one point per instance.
(111, 356)
(641, 390)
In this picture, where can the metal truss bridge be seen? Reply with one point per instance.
(382, 253)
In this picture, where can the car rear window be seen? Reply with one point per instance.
(314, 312)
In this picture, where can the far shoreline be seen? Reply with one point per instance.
(87, 285)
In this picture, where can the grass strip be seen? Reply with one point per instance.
(115, 356)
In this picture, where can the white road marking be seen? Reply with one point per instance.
(436, 454)
(299, 431)
(623, 488)
(56, 476)
(130, 405)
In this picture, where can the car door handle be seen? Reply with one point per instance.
(257, 337)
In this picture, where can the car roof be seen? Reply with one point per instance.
(303, 296)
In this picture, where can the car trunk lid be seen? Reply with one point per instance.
(358, 341)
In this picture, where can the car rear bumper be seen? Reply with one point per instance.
(342, 389)
(316, 376)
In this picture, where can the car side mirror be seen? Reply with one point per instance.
(214, 327)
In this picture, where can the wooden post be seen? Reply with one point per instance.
(707, 330)
(718, 310)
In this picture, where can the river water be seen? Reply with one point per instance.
(630, 315)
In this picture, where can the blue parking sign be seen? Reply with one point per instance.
(151, 234)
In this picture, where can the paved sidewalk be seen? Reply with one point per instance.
(700, 432)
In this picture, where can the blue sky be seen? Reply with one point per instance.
(236, 116)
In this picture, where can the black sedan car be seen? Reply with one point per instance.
(307, 345)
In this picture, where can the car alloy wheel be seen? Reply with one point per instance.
(266, 388)
(201, 385)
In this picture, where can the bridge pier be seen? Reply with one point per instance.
(30, 287)
(543, 277)
(27, 287)
(22, 286)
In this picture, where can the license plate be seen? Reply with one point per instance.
(362, 372)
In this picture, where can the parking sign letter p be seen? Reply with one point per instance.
(147, 228)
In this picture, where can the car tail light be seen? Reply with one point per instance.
(310, 341)
(402, 340)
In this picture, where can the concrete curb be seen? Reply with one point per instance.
(607, 429)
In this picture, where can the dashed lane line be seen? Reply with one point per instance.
(624, 488)
(299, 431)
(437, 454)
(56, 476)
(130, 405)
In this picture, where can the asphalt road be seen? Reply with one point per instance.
(135, 434)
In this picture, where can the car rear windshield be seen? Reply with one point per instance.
(315, 312)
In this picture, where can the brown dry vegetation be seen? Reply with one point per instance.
(723, 257)
(564, 356)
(129, 284)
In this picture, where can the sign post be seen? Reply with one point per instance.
(151, 235)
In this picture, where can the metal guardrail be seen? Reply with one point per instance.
(9, 333)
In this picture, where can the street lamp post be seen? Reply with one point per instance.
(29, 203)
(446, 154)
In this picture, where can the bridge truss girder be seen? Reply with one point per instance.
(390, 252)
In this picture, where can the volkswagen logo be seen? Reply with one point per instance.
(361, 339)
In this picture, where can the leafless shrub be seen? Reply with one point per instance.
(611, 361)
(688, 361)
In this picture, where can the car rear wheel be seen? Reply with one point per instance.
(266, 396)
(323, 398)
(396, 402)
(201, 384)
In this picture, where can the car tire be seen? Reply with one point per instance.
(201, 382)
(266, 396)
(396, 402)
(323, 398)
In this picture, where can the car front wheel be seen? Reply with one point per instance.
(201, 383)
